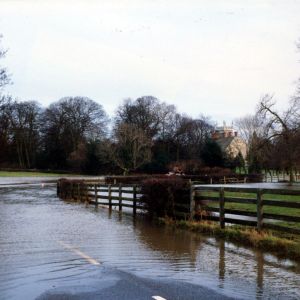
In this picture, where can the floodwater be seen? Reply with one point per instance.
(39, 232)
(18, 181)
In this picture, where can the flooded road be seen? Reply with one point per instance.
(50, 247)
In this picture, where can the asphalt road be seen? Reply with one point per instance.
(114, 284)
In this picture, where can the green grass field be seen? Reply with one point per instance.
(267, 209)
(28, 174)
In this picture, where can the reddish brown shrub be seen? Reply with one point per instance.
(190, 166)
(161, 195)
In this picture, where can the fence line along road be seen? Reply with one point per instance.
(247, 206)
(252, 207)
(99, 193)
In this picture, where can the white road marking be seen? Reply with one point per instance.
(158, 298)
(80, 253)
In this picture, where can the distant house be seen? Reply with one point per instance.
(229, 141)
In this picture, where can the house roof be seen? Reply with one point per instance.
(224, 142)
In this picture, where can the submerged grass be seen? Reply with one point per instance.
(284, 247)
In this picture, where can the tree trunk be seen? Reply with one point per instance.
(292, 177)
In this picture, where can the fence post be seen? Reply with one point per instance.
(134, 200)
(109, 196)
(192, 202)
(120, 196)
(271, 173)
(62, 189)
(85, 192)
(222, 209)
(259, 207)
(66, 191)
(96, 196)
(58, 189)
(87, 199)
(78, 192)
(71, 191)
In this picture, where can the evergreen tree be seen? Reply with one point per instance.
(212, 155)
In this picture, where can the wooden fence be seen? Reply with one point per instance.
(204, 179)
(99, 193)
(274, 209)
(118, 195)
(275, 176)
(251, 207)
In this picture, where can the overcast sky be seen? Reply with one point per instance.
(207, 57)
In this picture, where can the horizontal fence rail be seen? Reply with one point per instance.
(275, 209)
(273, 176)
(117, 196)
(211, 178)
(99, 193)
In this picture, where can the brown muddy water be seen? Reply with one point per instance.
(35, 227)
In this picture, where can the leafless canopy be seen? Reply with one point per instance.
(131, 148)
(282, 132)
(4, 77)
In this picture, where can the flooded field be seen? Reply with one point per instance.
(49, 244)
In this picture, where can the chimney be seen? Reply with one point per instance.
(235, 133)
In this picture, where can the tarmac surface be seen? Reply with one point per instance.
(113, 284)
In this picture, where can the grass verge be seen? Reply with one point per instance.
(267, 241)
(28, 174)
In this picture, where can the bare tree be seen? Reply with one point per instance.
(197, 132)
(70, 122)
(189, 135)
(4, 76)
(131, 148)
(24, 130)
(19, 131)
(248, 126)
(166, 114)
(5, 103)
(282, 129)
(144, 113)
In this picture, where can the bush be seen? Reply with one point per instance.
(131, 178)
(66, 189)
(189, 166)
(216, 171)
(161, 195)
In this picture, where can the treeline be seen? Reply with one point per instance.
(144, 135)
(75, 134)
